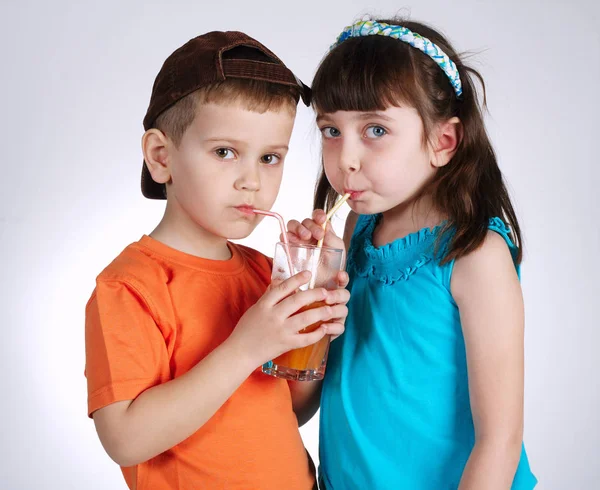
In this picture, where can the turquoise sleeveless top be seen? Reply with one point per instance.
(395, 410)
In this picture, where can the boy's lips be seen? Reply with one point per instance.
(246, 209)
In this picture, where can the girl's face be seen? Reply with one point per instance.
(378, 157)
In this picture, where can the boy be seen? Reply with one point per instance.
(181, 321)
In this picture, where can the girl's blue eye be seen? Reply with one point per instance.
(375, 132)
(270, 159)
(329, 132)
(225, 153)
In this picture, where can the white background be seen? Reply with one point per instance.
(75, 80)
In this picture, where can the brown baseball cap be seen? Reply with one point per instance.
(203, 61)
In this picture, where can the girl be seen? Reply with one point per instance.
(424, 391)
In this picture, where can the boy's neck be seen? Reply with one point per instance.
(181, 234)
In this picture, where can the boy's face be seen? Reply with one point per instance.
(229, 160)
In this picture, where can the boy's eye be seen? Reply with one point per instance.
(375, 132)
(270, 159)
(330, 132)
(225, 153)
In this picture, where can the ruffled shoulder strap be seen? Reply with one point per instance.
(500, 227)
(497, 225)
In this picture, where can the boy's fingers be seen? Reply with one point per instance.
(285, 288)
(339, 312)
(309, 317)
(342, 279)
(275, 283)
(335, 329)
(305, 339)
(337, 296)
(301, 299)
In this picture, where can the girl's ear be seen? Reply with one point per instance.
(156, 155)
(448, 136)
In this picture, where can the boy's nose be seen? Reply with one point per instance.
(249, 178)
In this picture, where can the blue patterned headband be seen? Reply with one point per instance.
(371, 27)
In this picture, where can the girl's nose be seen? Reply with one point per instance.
(349, 159)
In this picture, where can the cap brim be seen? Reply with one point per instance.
(305, 93)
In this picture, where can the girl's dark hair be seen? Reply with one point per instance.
(375, 72)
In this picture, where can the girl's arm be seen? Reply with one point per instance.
(306, 396)
(486, 289)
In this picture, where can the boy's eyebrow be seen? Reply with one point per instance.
(224, 138)
(242, 143)
(278, 147)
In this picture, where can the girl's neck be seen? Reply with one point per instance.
(405, 219)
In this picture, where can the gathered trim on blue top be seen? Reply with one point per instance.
(401, 258)
(394, 261)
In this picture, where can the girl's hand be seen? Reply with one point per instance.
(310, 231)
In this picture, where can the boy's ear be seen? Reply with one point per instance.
(448, 136)
(156, 155)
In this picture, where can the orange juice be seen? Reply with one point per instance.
(307, 363)
(310, 357)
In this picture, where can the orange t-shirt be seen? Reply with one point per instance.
(155, 313)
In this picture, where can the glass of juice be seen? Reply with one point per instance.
(307, 363)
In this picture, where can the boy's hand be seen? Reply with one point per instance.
(339, 296)
(271, 327)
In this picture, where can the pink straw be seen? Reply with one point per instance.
(286, 243)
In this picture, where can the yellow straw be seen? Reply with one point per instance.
(317, 254)
(337, 206)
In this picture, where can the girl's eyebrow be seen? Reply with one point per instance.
(369, 115)
(360, 116)
(322, 117)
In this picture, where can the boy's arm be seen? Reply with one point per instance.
(133, 431)
(486, 289)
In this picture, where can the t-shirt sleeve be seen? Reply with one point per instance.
(125, 349)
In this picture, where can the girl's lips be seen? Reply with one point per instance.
(353, 194)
